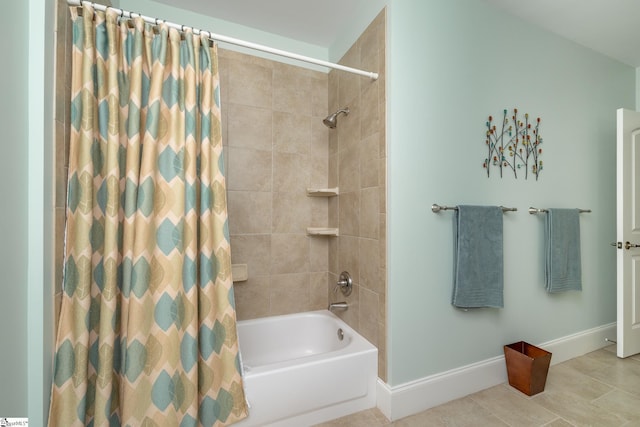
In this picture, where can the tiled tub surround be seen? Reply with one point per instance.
(276, 147)
(277, 151)
(357, 165)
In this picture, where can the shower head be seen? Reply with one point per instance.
(332, 120)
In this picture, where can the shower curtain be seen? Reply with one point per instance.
(147, 329)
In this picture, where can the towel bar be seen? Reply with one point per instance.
(437, 208)
(533, 210)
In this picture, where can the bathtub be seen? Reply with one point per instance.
(306, 368)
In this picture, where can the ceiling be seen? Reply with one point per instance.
(310, 21)
(606, 26)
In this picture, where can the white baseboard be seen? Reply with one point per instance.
(400, 401)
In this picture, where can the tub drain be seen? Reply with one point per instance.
(340, 334)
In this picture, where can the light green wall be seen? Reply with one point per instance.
(452, 63)
(39, 215)
(638, 89)
(13, 215)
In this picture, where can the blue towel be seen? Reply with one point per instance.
(478, 261)
(563, 268)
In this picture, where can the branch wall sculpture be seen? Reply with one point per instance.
(515, 146)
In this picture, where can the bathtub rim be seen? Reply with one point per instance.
(358, 344)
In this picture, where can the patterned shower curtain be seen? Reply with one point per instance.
(147, 330)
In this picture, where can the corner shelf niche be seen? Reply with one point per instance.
(322, 192)
(322, 231)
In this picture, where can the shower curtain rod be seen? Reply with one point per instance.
(230, 40)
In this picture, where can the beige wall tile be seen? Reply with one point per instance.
(319, 254)
(319, 138)
(369, 315)
(349, 213)
(333, 170)
(290, 172)
(249, 127)
(249, 170)
(369, 216)
(223, 72)
(290, 293)
(61, 168)
(61, 74)
(59, 249)
(252, 297)
(369, 109)
(382, 347)
(249, 84)
(333, 211)
(383, 241)
(318, 167)
(333, 256)
(369, 161)
(333, 138)
(291, 213)
(292, 89)
(332, 91)
(318, 290)
(349, 256)
(349, 169)
(291, 133)
(370, 266)
(249, 212)
(289, 253)
(382, 184)
(320, 212)
(319, 95)
(253, 250)
(352, 314)
(349, 126)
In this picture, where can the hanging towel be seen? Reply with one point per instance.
(478, 261)
(563, 269)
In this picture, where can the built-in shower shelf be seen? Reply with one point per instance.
(322, 192)
(322, 231)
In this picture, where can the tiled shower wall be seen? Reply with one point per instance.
(62, 126)
(276, 147)
(357, 164)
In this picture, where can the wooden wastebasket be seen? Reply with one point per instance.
(527, 367)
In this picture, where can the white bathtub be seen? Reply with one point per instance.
(299, 373)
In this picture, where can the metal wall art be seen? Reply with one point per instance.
(514, 146)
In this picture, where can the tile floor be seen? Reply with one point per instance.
(596, 389)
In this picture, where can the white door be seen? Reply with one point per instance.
(628, 232)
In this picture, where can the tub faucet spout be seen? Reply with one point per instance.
(338, 306)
